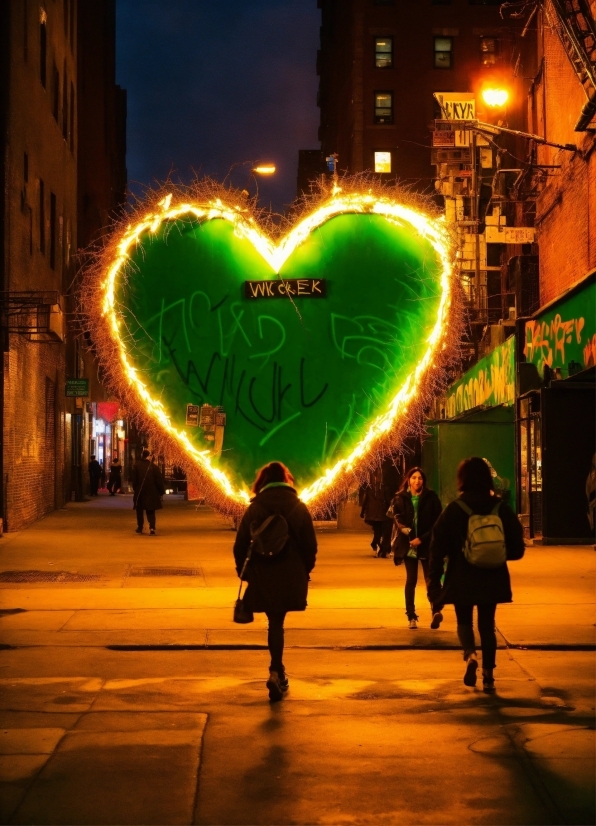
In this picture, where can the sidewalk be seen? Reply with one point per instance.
(129, 696)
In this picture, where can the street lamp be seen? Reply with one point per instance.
(264, 169)
(495, 98)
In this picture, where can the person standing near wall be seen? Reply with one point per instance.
(415, 509)
(374, 510)
(148, 486)
(457, 543)
(94, 475)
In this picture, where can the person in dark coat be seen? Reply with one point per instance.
(115, 477)
(148, 486)
(466, 585)
(415, 509)
(279, 584)
(94, 475)
(374, 510)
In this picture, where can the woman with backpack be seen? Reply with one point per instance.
(415, 509)
(472, 541)
(277, 578)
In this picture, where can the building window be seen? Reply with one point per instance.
(384, 52)
(489, 50)
(383, 107)
(43, 52)
(383, 162)
(42, 217)
(55, 92)
(443, 52)
(25, 168)
(72, 117)
(52, 231)
(65, 105)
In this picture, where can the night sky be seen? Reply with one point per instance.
(211, 85)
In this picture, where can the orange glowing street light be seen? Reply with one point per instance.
(496, 98)
(264, 169)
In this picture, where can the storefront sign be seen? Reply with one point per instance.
(489, 383)
(77, 387)
(564, 336)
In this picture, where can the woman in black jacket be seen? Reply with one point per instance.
(279, 584)
(466, 585)
(415, 509)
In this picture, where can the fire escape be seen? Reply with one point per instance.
(577, 32)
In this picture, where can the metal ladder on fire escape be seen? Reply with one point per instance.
(577, 31)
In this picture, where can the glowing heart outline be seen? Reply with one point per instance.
(223, 493)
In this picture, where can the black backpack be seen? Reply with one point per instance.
(270, 537)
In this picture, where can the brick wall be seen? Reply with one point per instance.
(566, 207)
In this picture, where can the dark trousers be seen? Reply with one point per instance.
(411, 580)
(486, 629)
(93, 485)
(377, 527)
(150, 518)
(382, 535)
(275, 640)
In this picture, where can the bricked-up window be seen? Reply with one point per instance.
(65, 105)
(383, 107)
(489, 50)
(52, 231)
(42, 217)
(72, 116)
(384, 52)
(55, 92)
(443, 52)
(382, 162)
(43, 51)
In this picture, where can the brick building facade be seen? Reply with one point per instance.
(41, 102)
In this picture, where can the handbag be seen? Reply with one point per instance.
(243, 614)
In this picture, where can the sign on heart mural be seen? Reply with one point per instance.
(321, 347)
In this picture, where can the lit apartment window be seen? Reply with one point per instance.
(383, 162)
(443, 52)
(384, 52)
(383, 107)
(489, 50)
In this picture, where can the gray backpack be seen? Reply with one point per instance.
(484, 546)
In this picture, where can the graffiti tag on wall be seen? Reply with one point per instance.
(489, 383)
(565, 334)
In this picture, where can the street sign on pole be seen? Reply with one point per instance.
(76, 388)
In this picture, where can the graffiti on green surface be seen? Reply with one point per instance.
(489, 383)
(298, 381)
(565, 333)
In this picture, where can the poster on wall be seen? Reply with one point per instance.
(319, 344)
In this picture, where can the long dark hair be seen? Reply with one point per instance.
(405, 485)
(273, 472)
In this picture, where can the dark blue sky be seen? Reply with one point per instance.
(212, 84)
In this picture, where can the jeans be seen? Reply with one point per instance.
(486, 628)
(275, 640)
(150, 518)
(411, 580)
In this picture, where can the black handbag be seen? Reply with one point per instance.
(243, 614)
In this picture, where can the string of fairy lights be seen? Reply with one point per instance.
(385, 433)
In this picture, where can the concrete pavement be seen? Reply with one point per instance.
(128, 695)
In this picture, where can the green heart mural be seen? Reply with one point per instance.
(313, 348)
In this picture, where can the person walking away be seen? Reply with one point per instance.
(415, 509)
(278, 584)
(115, 477)
(148, 486)
(94, 475)
(374, 510)
(474, 538)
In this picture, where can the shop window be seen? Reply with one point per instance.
(384, 52)
(443, 53)
(382, 162)
(383, 107)
(489, 50)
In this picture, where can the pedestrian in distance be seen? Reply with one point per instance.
(115, 477)
(277, 583)
(472, 541)
(94, 475)
(415, 509)
(374, 511)
(148, 486)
